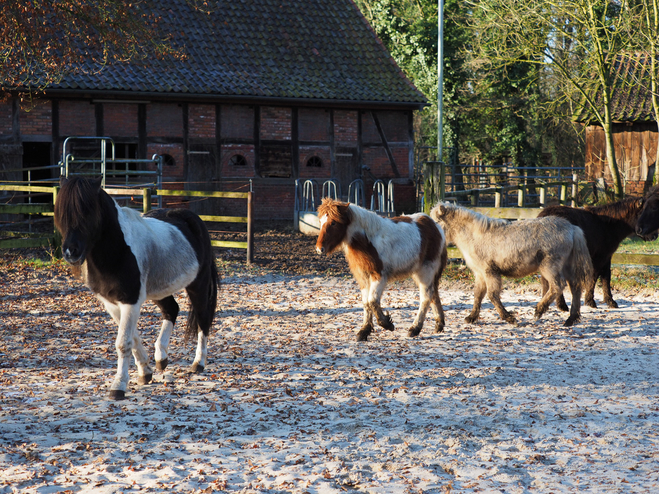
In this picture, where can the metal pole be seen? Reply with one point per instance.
(440, 78)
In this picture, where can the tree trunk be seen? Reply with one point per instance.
(611, 161)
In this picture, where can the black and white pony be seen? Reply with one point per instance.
(126, 258)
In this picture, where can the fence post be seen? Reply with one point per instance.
(521, 196)
(442, 180)
(57, 238)
(497, 197)
(146, 200)
(563, 197)
(543, 196)
(575, 189)
(250, 230)
(474, 198)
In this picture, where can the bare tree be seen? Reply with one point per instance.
(577, 40)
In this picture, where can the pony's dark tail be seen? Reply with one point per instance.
(580, 264)
(203, 299)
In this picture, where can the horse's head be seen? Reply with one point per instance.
(647, 223)
(334, 220)
(78, 216)
(440, 213)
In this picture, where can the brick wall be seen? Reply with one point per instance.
(345, 128)
(77, 118)
(120, 120)
(6, 120)
(322, 152)
(228, 170)
(237, 122)
(37, 120)
(171, 173)
(313, 124)
(164, 120)
(275, 123)
(201, 121)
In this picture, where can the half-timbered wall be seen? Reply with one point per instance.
(224, 146)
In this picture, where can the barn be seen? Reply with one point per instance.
(634, 130)
(268, 93)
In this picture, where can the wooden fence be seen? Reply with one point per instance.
(26, 239)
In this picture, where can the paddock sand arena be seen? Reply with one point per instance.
(290, 403)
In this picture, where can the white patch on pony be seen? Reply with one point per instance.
(397, 243)
(166, 260)
(323, 220)
(162, 344)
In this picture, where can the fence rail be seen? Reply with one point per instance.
(29, 240)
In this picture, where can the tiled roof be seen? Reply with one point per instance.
(309, 49)
(631, 98)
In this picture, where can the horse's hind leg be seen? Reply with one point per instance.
(169, 309)
(575, 310)
(200, 321)
(556, 286)
(425, 297)
(560, 300)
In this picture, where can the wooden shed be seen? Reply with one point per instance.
(268, 92)
(634, 130)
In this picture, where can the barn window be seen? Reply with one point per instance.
(168, 160)
(315, 161)
(238, 160)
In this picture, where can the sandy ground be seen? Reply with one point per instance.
(291, 403)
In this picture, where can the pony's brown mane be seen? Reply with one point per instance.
(619, 210)
(335, 210)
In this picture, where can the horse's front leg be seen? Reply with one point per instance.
(377, 288)
(128, 342)
(493, 283)
(427, 294)
(480, 289)
(606, 287)
(367, 325)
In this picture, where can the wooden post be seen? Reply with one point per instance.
(146, 200)
(521, 196)
(497, 197)
(442, 180)
(427, 187)
(563, 197)
(474, 198)
(575, 189)
(250, 230)
(543, 196)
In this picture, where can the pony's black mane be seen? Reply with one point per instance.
(77, 205)
(619, 210)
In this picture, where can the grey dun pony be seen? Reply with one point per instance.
(493, 248)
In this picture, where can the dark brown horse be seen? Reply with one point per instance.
(648, 221)
(605, 227)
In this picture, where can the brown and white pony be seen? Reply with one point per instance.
(493, 248)
(379, 250)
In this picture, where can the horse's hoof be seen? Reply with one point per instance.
(512, 320)
(413, 332)
(363, 335)
(387, 323)
(590, 303)
(471, 319)
(571, 320)
(612, 304)
(117, 394)
(197, 368)
(145, 379)
(161, 365)
(563, 307)
(439, 328)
